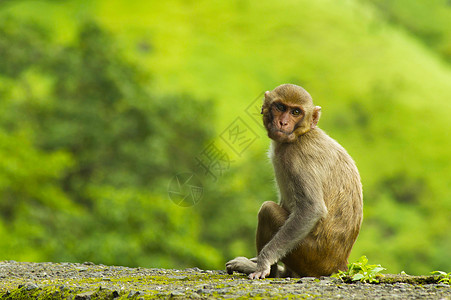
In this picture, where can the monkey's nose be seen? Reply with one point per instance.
(283, 123)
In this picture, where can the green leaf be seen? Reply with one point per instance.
(377, 270)
(439, 273)
(357, 277)
(363, 260)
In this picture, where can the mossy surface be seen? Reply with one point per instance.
(89, 281)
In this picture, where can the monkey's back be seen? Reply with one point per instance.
(321, 161)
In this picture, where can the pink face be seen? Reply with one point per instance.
(286, 118)
(288, 115)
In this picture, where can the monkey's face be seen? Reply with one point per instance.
(288, 113)
(283, 121)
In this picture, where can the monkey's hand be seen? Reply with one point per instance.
(261, 273)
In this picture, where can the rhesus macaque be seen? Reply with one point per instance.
(318, 218)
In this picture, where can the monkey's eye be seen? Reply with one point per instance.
(296, 112)
(281, 107)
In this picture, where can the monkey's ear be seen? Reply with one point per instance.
(316, 114)
(265, 101)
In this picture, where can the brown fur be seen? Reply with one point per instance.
(314, 226)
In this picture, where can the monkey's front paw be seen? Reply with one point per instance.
(241, 265)
(260, 274)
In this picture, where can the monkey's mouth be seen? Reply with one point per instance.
(284, 132)
(281, 135)
(278, 134)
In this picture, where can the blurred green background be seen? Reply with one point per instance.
(103, 102)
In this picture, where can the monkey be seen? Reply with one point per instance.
(317, 220)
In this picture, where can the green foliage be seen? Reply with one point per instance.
(428, 21)
(136, 228)
(85, 143)
(360, 271)
(443, 276)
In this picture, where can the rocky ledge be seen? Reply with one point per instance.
(20, 280)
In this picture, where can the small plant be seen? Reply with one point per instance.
(443, 276)
(360, 271)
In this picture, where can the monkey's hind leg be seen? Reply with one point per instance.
(241, 265)
(271, 217)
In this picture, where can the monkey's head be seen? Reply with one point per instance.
(288, 112)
